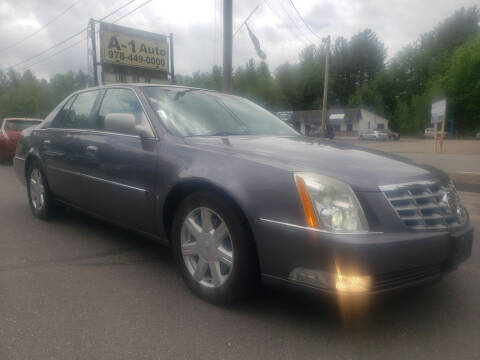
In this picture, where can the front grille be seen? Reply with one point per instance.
(424, 205)
(404, 277)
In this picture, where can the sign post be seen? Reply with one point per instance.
(438, 112)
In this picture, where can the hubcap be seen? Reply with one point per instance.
(37, 189)
(207, 247)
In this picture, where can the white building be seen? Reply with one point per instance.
(345, 122)
(352, 122)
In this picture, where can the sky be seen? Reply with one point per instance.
(197, 26)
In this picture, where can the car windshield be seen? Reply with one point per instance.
(19, 125)
(196, 112)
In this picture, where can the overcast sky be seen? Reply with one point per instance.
(197, 27)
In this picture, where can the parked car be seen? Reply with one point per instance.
(9, 133)
(240, 196)
(430, 133)
(391, 134)
(373, 135)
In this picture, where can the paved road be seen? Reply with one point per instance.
(75, 288)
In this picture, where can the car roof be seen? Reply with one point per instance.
(106, 86)
(22, 119)
(138, 85)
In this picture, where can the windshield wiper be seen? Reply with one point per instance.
(179, 94)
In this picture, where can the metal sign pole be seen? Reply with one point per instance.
(94, 52)
(442, 134)
(172, 66)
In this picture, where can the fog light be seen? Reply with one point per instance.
(353, 283)
(312, 277)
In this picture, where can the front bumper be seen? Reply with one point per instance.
(390, 260)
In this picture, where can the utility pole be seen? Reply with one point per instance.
(94, 52)
(227, 45)
(172, 63)
(325, 89)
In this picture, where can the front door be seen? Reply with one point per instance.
(121, 165)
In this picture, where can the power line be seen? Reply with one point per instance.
(85, 38)
(301, 18)
(54, 54)
(138, 7)
(71, 36)
(282, 21)
(245, 21)
(41, 28)
(292, 20)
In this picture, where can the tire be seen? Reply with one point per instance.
(217, 281)
(40, 198)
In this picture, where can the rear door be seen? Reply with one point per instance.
(62, 148)
(121, 165)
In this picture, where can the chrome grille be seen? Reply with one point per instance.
(425, 205)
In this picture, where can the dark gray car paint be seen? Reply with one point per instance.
(256, 172)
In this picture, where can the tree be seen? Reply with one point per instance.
(462, 84)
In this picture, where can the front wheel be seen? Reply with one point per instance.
(213, 249)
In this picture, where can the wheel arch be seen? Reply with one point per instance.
(186, 187)
(32, 157)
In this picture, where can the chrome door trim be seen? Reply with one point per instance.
(99, 179)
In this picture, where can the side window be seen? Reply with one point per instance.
(123, 101)
(77, 114)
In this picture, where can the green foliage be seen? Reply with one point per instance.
(462, 83)
(443, 63)
(23, 95)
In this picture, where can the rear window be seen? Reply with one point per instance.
(19, 125)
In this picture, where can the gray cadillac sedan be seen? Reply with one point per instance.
(240, 196)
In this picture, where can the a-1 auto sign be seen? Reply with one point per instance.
(136, 51)
(131, 55)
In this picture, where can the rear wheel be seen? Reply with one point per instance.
(39, 196)
(213, 249)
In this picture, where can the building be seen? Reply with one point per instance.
(345, 122)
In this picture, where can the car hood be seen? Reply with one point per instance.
(362, 168)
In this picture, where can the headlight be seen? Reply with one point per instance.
(330, 204)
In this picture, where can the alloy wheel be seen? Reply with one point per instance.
(207, 247)
(37, 189)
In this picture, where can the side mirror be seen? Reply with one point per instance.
(120, 123)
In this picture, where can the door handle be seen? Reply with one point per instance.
(92, 148)
(46, 143)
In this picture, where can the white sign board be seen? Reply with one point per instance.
(438, 111)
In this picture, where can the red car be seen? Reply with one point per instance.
(10, 131)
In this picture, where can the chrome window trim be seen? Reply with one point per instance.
(101, 132)
(319, 230)
(98, 179)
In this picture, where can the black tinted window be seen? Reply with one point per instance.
(123, 101)
(76, 115)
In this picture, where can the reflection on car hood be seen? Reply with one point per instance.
(362, 168)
